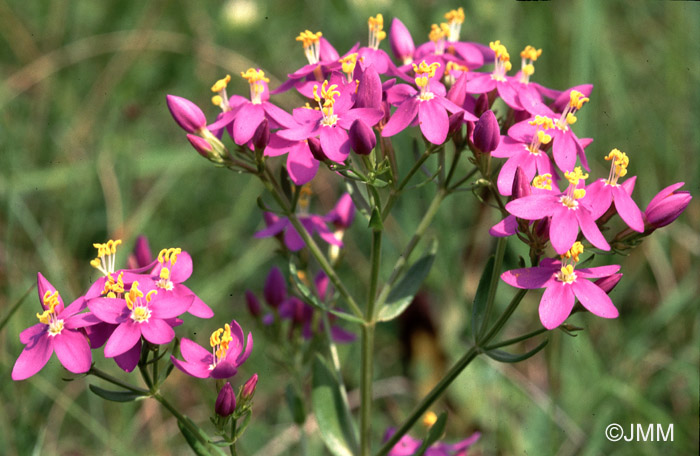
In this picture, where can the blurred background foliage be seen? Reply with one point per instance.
(88, 151)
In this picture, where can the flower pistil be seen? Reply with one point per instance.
(256, 79)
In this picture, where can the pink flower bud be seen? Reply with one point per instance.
(275, 290)
(226, 401)
(322, 283)
(369, 90)
(201, 145)
(141, 255)
(261, 137)
(343, 213)
(249, 388)
(482, 104)
(666, 206)
(186, 114)
(401, 42)
(316, 149)
(487, 133)
(521, 184)
(253, 304)
(608, 283)
(456, 121)
(362, 138)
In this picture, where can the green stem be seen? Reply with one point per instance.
(232, 448)
(515, 340)
(493, 285)
(368, 348)
(105, 376)
(504, 317)
(403, 258)
(394, 195)
(464, 179)
(14, 308)
(428, 400)
(180, 417)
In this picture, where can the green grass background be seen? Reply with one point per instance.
(88, 151)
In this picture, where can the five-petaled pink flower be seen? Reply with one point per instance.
(57, 330)
(222, 361)
(563, 285)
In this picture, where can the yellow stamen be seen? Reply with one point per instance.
(219, 341)
(221, 84)
(106, 256)
(530, 53)
(114, 288)
(455, 19)
(256, 79)
(430, 417)
(133, 295)
(221, 98)
(618, 167)
(576, 99)
(574, 252)
(423, 73)
(376, 31)
(348, 63)
(566, 274)
(502, 63)
(543, 181)
(328, 94)
(544, 123)
(575, 176)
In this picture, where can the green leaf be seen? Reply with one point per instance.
(296, 405)
(481, 297)
(332, 411)
(403, 292)
(198, 444)
(313, 300)
(375, 221)
(437, 430)
(115, 396)
(505, 357)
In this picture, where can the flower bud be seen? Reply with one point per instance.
(316, 149)
(141, 256)
(249, 388)
(253, 304)
(455, 121)
(401, 42)
(261, 137)
(666, 206)
(487, 133)
(362, 138)
(482, 104)
(369, 90)
(186, 114)
(275, 289)
(201, 145)
(226, 401)
(521, 184)
(608, 283)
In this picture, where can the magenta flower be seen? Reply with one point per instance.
(331, 121)
(541, 185)
(567, 212)
(57, 330)
(429, 106)
(401, 42)
(604, 192)
(187, 114)
(343, 213)
(222, 361)
(225, 403)
(137, 315)
(524, 151)
(313, 224)
(563, 285)
(486, 82)
(486, 136)
(666, 206)
(408, 446)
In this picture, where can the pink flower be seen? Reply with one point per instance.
(563, 285)
(429, 106)
(137, 315)
(408, 446)
(313, 224)
(57, 331)
(486, 82)
(567, 212)
(666, 206)
(222, 361)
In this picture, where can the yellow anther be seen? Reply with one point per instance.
(376, 30)
(576, 99)
(215, 338)
(574, 252)
(451, 66)
(528, 70)
(500, 51)
(165, 274)
(543, 137)
(44, 317)
(571, 119)
(543, 181)
(430, 417)
(566, 274)
(50, 300)
(507, 65)
(349, 62)
(169, 255)
(219, 341)
(308, 38)
(425, 69)
(150, 294)
(579, 193)
(105, 256)
(530, 53)
(455, 15)
(252, 75)
(113, 287)
(542, 121)
(216, 100)
(221, 84)
(133, 295)
(575, 176)
(438, 33)
(618, 168)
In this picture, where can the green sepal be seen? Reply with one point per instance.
(505, 357)
(116, 396)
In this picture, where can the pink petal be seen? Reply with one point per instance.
(280, 117)
(590, 229)
(248, 119)
(81, 321)
(156, 331)
(293, 240)
(124, 337)
(369, 116)
(433, 120)
(564, 150)
(400, 93)
(273, 229)
(248, 349)
(597, 272)
(528, 278)
(506, 227)
(524, 160)
(73, 308)
(402, 117)
(594, 299)
(481, 83)
(598, 198)
(33, 358)
(73, 351)
(198, 308)
(194, 353)
(628, 209)
(128, 361)
(534, 207)
(556, 304)
(43, 286)
(301, 165)
(509, 95)
(507, 147)
(31, 332)
(109, 310)
(195, 370)
(564, 229)
(335, 143)
(171, 304)
(182, 269)
(224, 369)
